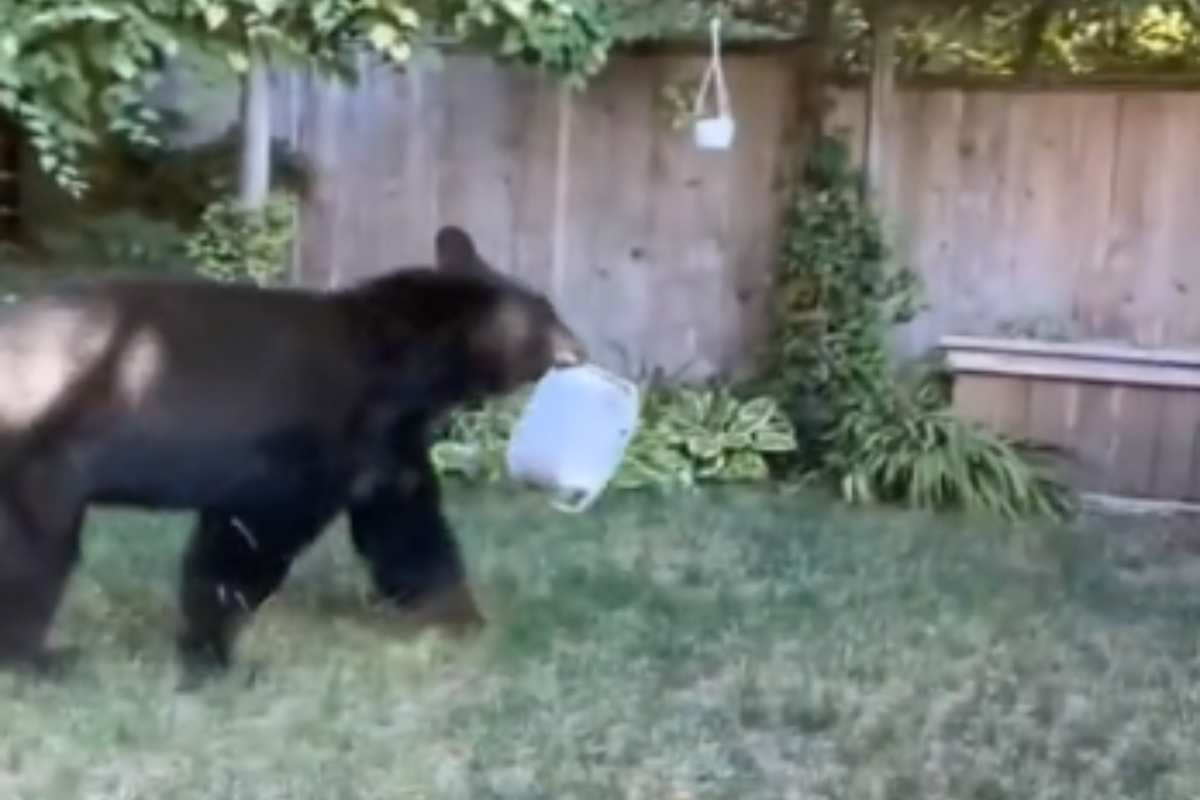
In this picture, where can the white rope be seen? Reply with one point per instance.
(714, 72)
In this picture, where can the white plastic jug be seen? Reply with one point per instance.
(572, 434)
(714, 133)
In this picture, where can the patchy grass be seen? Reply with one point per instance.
(734, 645)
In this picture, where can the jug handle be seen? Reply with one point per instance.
(579, 505)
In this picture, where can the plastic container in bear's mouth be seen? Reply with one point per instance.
(572, 434)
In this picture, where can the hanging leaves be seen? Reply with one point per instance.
(73, 72)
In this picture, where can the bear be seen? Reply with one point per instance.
(267, 412)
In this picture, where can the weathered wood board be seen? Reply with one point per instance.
(1127, 420)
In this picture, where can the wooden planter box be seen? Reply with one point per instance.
(1127, 419)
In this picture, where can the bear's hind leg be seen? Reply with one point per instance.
(399, 530)
(231, 566)
(39, 547)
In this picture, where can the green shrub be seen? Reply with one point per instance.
(863, 429)
(234, 245)
(472, 445)
(690, 436)
(686, 437)
(920, 454)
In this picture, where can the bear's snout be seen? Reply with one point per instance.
(568, 350)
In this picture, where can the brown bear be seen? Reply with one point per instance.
(268, 411)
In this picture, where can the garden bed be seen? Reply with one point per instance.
(1126, 420)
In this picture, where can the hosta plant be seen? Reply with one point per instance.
(686, 437)
(690, 436)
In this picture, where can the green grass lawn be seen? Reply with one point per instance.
(732, 645)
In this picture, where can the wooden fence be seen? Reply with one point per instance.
(1066, 214)
(1068, 210)
(660, 254)
(1071, 211)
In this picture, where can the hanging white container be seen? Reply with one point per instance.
(714, 132)
(572, 434)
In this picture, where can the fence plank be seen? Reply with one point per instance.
(1137, 421)
(1000, 402)
(1177, 438)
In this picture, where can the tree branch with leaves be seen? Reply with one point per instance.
(73, 72)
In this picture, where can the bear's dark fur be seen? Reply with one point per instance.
(268, 412)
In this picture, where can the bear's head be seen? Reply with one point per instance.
(463, 326)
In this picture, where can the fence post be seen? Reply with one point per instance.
(879, 100)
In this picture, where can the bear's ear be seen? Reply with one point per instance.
(455, 251)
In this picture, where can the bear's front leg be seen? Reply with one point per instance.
(231, 566)
(398, 528)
